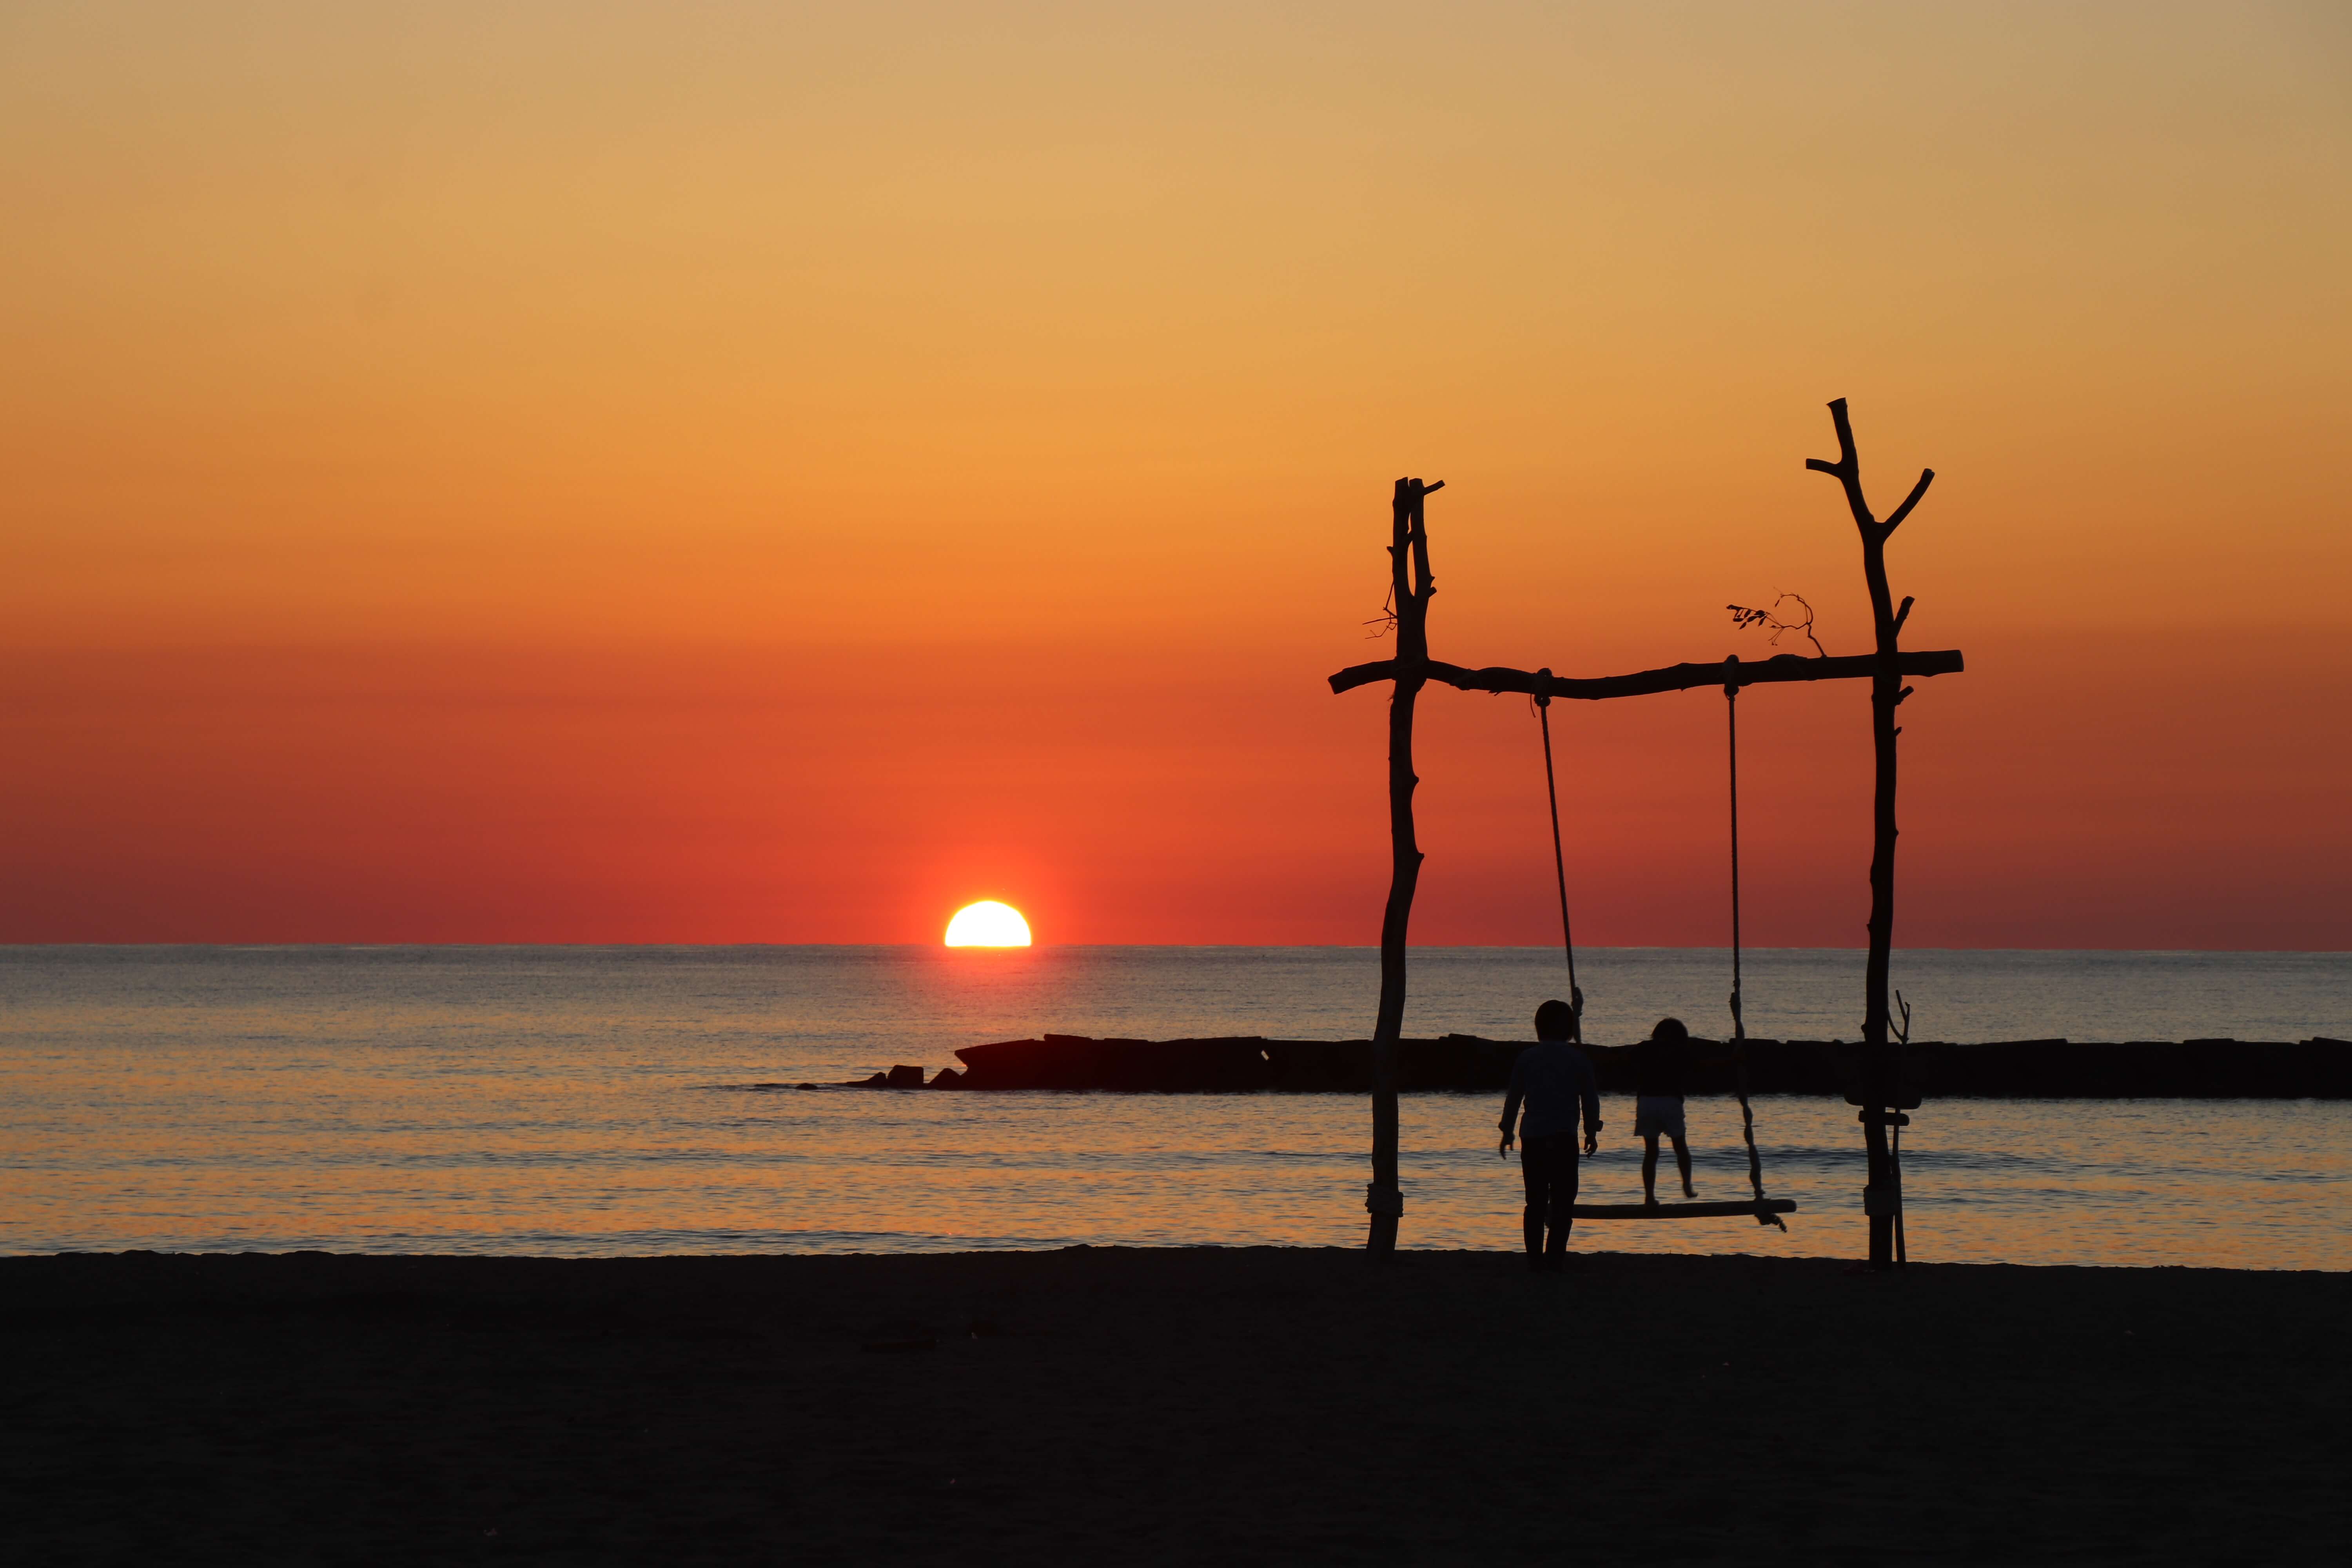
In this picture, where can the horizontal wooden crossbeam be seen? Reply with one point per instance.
(1747, 1210)
(1643, 683)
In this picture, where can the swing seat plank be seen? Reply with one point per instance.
(1746, 1209)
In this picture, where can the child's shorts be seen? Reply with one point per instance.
(1658, 1114)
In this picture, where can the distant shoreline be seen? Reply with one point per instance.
(2319, 1067)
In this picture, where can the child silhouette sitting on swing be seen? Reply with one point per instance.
(1659, 1065)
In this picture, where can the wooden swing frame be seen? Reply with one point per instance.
(1411, 586)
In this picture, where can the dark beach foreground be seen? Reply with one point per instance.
(1177, 1405)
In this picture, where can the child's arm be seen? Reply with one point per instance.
(1592, 1096)
(1511, 1097)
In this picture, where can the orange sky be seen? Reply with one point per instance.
(579, 473)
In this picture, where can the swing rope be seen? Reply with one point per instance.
(1560, 862)
(1739, 1025)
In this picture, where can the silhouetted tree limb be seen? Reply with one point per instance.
(1643, 683)
(1410, 587)
(1884, 1200)
(1847, 471)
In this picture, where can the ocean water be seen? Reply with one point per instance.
(609, 1100)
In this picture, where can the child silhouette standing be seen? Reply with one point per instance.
(1554, 1079)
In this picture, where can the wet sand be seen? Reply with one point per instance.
(1171, 1406)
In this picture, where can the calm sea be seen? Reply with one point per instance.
(603, 1101)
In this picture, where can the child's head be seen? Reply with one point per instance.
(1555, 1021)
(1670, 1029)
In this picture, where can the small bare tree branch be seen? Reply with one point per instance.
(1927, 477)
(1744, 618)
(1847, 469)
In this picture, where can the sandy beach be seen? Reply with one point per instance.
(1173, 1405)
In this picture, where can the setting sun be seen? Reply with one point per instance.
(988, 924)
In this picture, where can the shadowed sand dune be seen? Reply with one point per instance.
(1124, 1405)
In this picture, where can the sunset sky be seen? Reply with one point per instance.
(759, 473)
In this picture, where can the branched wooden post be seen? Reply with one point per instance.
(1410, 581)
(1883, 1198)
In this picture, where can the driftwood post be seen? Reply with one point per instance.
(1411, 586)
(1883, 1198)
